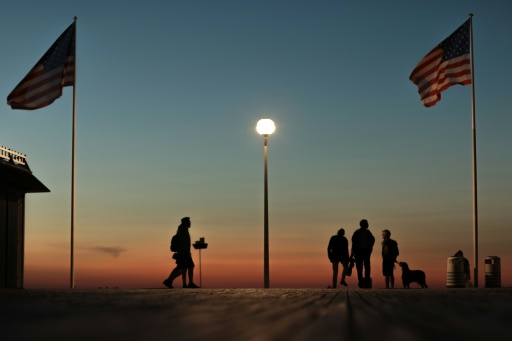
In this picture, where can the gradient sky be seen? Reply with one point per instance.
(168, 96)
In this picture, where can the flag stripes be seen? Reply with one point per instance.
(44, 83)
(446, 65)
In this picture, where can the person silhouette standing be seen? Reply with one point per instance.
(389, 254)
(467, 270)
(180, 243)
(362, 247)
(337, 251)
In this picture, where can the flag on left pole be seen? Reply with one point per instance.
(55, 70)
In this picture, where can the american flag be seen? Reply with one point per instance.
(44, 83)
(448, 64)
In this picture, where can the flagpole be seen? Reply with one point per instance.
(73, 177)
(475, 201)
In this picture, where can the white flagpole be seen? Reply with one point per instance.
(73, 177)
(475, 201)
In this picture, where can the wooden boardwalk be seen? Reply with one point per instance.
(256, 314)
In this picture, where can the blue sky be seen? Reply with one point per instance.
(168, 96)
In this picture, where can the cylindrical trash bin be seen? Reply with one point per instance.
(492, 272)
(455, 277)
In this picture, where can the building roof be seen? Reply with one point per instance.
(16, 176)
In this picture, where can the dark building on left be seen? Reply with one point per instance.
(16, 179)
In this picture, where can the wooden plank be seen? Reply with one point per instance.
(257, 314)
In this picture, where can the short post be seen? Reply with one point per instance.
(199, 245)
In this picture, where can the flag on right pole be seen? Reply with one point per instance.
(449, 63)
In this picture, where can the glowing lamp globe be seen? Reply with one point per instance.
(265, 126)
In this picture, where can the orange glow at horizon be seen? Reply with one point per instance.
(314, 272)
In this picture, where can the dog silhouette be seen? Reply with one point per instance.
(410, 276)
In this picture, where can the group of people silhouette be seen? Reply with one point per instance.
(362, 248)
(337, 251)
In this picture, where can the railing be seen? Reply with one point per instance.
(15, 157)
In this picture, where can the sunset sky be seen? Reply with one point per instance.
(168, 97)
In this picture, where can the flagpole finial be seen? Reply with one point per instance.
(75, 17)
(470, 15)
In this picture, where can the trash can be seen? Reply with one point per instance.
(492, 272)
(455, 277)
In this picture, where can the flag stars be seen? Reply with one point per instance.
(457, 44)
(57, 54)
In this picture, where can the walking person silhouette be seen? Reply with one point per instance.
(180, 244)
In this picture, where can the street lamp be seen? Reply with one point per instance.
(265, 127)
(199, 245)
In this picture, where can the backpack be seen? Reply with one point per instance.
(174, 243)
(393, 248)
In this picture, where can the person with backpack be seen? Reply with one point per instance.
(180, 245)
(389, 254)
(467, 270)
(362, 247)
(337, 251)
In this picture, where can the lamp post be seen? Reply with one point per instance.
(199, 245)
(265, 127)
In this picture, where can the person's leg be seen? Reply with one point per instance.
(334, 273)
(392, 280)
(344, 272)
(367, 268)
(190, 267)
(184, 277)
(359, 267)
(174, 273)
(190, 275)
(387, 271)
